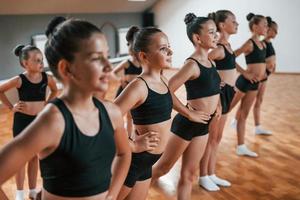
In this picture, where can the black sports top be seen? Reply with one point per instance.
(33, 91)
(228, 62)
(270, 51)
(257, 55)
(81, 164)
(156, 108)
(132, 69)
(207, 84)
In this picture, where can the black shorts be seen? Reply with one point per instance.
(226, 94)
(186, 129)
(140, 167)
(21, 121)
(244, 85)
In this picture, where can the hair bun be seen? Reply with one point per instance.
(18, 49)
(212, 16)
(189, 18)
(53, 24)
(250, 16)
(131, 32)
(269, 19)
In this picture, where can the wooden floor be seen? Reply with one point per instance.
(274, 175)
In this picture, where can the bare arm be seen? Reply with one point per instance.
(2, 195)
(123, 152)
(189, 71)
(118, 72)
(53, 88)
(217, 53)
(36, 138)
(14, 82)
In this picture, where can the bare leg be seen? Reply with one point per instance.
(190, 162)
(32, 172)
(246, 104)
(169, 157)
(140, 190)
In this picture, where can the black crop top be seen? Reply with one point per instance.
(228, 62)
(270, 51)
(156, 108)
(207, 84)
(257, 55)
(33, 91)
(132, 69)
(81, 164)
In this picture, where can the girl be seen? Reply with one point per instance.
(128, 70)
(31, 86)
(150, 102)
(225, 63)
(255, 54)
(78, 143)
(202, 83)
(271, 65)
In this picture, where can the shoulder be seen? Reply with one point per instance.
(113, 111)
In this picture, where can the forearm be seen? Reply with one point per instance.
(52, 95)
(179, 106)
(5, 101)
(2, 195)
(120, 170)
(239, 69)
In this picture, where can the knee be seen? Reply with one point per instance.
(214, 141)
(189, 175)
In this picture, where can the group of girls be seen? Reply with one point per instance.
(79, 138)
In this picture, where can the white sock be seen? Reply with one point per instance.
(242, 150)
(233, 123)
(32, 193)
(260, 131)
(20, 195)
(219, 181)
(207, 183)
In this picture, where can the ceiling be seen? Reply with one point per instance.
(21, 7)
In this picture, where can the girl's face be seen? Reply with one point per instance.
(208, 35)
(35, 62)
(88, 69)
(230, 25)
(272, 31)
(261, 28)
(159, 53)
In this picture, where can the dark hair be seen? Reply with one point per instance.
(130, 34)
(22, 52)
(219, 16)
(254, 19)
(194, 24)
(270, 21)
(142, 37)
(64, 37)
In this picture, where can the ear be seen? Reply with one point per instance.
(221, 25)
(63, 69)
(142, 57)
(197, 39)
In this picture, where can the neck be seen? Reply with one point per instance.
(268, 39)
(152, 71)
(224, 37)
(255, 36)
(202, 53)
(77, 98)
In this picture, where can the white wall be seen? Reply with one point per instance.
(169, 15)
